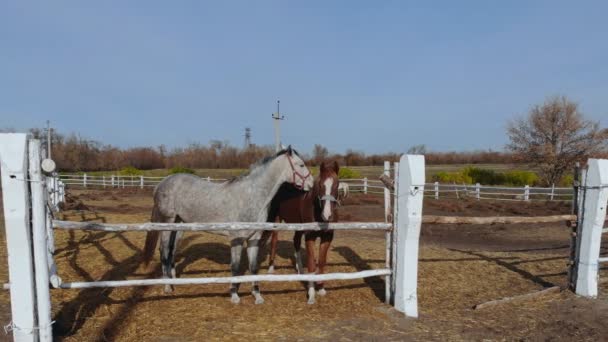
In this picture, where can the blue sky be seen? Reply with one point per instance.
(374, 76)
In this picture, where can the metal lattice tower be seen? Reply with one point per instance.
(247, 138)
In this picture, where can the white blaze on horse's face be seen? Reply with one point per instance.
(328, 183)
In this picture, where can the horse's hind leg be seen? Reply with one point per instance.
(297, 245)
(236, 249)
(252, 256)
(168, 248)
(273, 250)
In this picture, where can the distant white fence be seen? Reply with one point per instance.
(361, 185)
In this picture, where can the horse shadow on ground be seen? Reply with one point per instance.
(375, 283)
(72, 315)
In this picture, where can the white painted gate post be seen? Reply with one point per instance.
(409, 220)
(552, 191)
(13, 153)
(527, 193)
(39, 235)
(436, 190)
(112, 180)
(141, 182)
(594, 213)
(477, 191)
(387, 235)
(84, 180)
(365, 185)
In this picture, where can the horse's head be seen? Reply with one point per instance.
(296, 172)
(326, 190)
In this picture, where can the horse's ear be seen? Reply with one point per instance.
(289, 150)
(336, 167)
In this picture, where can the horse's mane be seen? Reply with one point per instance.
(262, 162)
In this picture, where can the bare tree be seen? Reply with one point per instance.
(554, 136)
(319, 153)
(417, 149)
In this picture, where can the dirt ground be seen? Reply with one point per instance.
(460, 266)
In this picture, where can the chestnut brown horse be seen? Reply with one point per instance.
(318, 205)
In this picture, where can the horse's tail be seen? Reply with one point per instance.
(151, 239)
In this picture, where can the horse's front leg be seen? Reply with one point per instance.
(326, 238)
(312, 267)
(252, 254)
(236, 249)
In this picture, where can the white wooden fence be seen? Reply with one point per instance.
(30, 244)
(364, 185)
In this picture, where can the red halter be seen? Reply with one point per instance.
(297, 174)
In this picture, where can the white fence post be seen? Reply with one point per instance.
(365, 185)
(527, 193)
(595, 196)
(13, 152)
(41, 265)
(141, 182)
(112, 180)
(387, 235)
(208, 178)
(103, 181)
(436, 190)
(552, 191)
(395, 224)
(409, 199)
(84, 180)
(477, 191)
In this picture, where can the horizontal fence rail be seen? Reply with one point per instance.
(220, 226)
(228, 280)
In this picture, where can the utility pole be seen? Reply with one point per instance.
(277, 117)
(48, 139)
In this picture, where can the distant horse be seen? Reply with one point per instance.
(188, 198)
(319, 205)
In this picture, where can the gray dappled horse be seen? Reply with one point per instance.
(188, 198)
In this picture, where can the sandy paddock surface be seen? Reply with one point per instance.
(460, 266)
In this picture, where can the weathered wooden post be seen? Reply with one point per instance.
(436, 190)
(13, 152)
(365, 185)
(593, 211)
(527, 193)
(387, 235)
(39, 233)
(477, 191)
(409, 220)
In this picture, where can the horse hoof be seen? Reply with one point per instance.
(322, 292)
(235, 300)
(271, 269)
(311, 301)
(168, 289)
(259, 300)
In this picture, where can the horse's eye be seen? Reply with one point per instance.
(301, 165)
